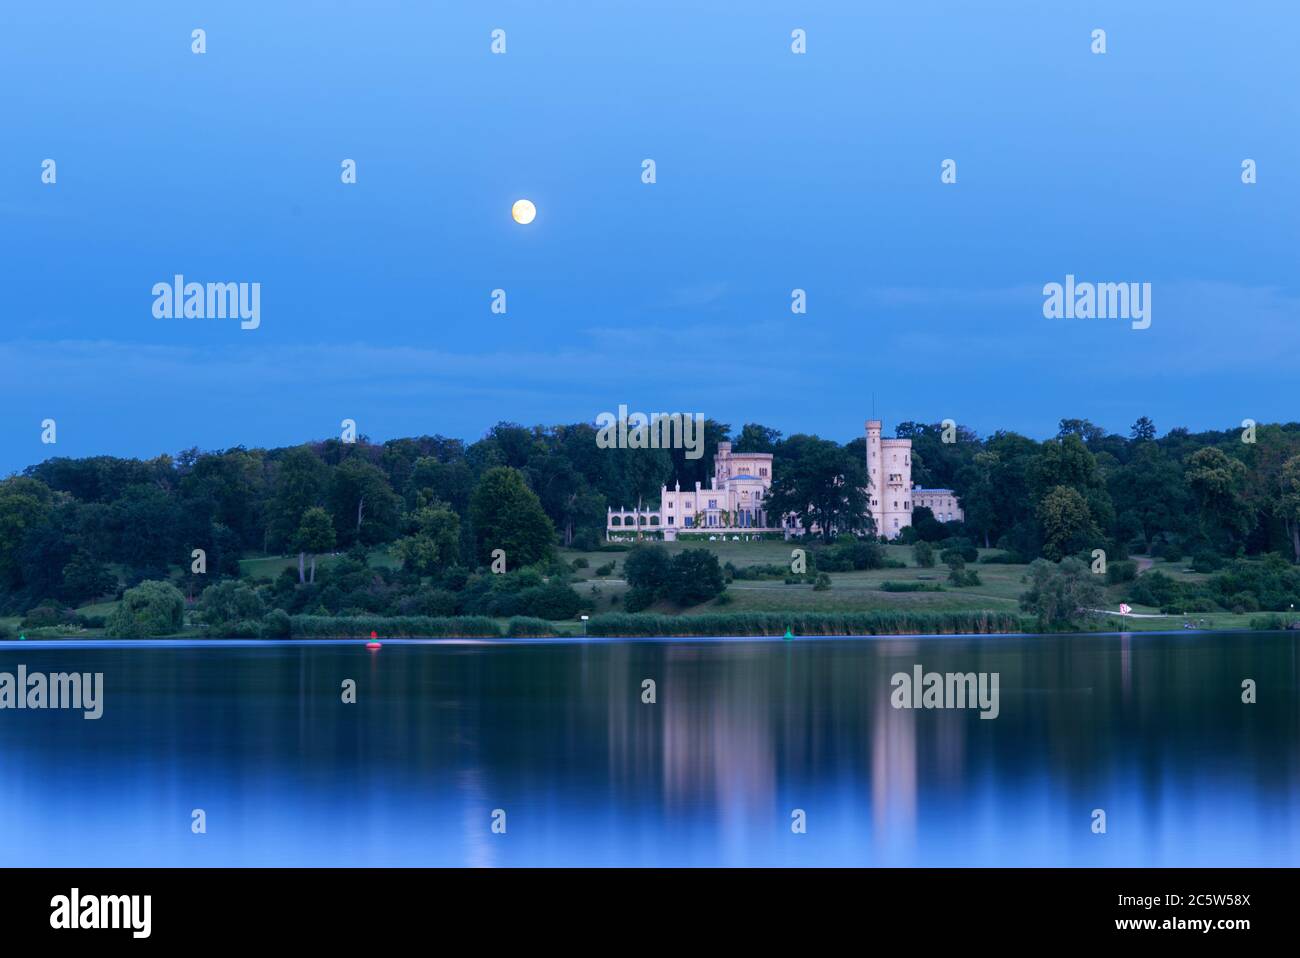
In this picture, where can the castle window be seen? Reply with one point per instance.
(670, 520)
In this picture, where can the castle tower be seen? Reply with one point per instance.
(889, 475)
(722, 463)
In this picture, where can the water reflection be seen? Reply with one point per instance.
(1150, 728)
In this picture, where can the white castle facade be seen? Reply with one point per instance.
(736, 498)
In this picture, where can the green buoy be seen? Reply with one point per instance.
(788, 634)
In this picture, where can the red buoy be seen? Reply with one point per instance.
(374, 641)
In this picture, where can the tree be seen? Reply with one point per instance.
(1144, 430)
(1218, 483)
(24, 504)
(151, 608)
(694, 576)
(1150, 488)
(434, 545)
(923, 553)
(647, 570)
(450, 482)
(756, 438)
(227, 603)
(1082, 429)
(1066, 522)
(507, 515)
(145, 521)
(364, 507)
(300, 482)
(85, 577)
(315, 535)
(1059, 594)
(1289, 503)
(979, 495)
(823, 485)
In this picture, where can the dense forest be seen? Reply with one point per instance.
(73, 531)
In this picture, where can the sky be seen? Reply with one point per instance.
(775, 171)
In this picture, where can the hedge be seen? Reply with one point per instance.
(808, 623)
(406, 626)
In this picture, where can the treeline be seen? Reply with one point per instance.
(76, 530)
(1222, 494)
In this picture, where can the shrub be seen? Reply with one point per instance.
(275, 624)
(552, 601)
(638, 598)
(694, 576)
(455, 578)
(1206, 560)
(1002, 558)
(822, 582)
(1243, 602)
(431, 602)
(579, 563)
(1264, 623)
(526, 627)
(151, 608)
(226, 602)
(43, 616)
(606, 569)
(1124, 570)
(1059, 594)
(964, 547)
(923, 553)
(646, 568)
(888, 586)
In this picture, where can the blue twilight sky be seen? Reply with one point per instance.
(775, 171)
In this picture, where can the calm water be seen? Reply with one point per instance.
(1149, 728)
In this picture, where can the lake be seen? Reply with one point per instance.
(1150, 728)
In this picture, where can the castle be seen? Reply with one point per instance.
(735, 499)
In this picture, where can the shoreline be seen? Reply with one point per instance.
(189, 643)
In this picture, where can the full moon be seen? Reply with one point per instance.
(523, 211)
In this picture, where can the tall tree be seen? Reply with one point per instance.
(365, 509)
(1144, 430)
(507, 515)
(435, 542)
(823, 484)
(1218, 481)
(300, 483)
(315, 535)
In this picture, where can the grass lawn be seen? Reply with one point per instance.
(999, 589)
(268, 567)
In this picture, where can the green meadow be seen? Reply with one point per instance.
(850, 592)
